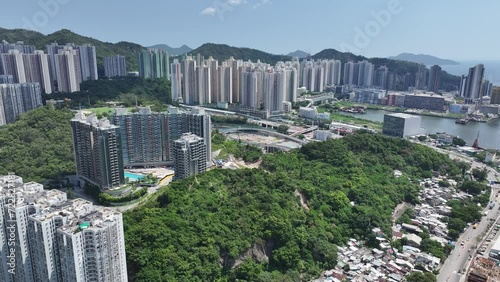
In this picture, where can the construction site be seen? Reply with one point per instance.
(483, 270)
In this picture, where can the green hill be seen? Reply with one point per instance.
(223, 52)
(103, 49)
(448, 82)
(282, 222)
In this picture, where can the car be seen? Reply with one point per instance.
(462, 243)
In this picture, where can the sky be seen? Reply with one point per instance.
(451, 29)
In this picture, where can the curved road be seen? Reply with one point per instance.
(457, 261)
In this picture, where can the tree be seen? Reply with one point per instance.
(422, 138)
(457, 141)
(283, 129)
(479, 174)
(421, 277)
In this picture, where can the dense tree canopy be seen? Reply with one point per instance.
(281, 222)
(421, 277)
(38, 146)
(126, 90)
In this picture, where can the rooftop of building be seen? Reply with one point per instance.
(91, 119)
(189, 137)
(402, 115)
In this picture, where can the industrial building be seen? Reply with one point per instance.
(402, 125)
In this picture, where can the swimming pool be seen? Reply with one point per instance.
(133, 177)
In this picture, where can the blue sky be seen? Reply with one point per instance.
(454, 29)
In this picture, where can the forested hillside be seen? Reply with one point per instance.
(38, 146)
(63, 36)
(281, 222)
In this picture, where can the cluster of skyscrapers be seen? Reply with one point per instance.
(17, 98)
(260, 86)
(46, 237)
(473, 86)
(62, 69)
(253, 85)
(141, 139)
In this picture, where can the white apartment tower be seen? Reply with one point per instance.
(249, 90)
(41, 221)
(189, 81)
(213, 66)
(203, 85)
(115, 66)
(37, 69)
(274, 90)
(88, 62)
(176, 80)
(68, 71)
(190, 156)
(12, 63)
(226, 83)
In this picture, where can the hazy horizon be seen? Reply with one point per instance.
(450, 29)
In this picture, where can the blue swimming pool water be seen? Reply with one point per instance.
(133, 176)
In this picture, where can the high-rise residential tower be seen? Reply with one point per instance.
(88, 62)
(98, 151)
(190, 156)
(12, 63)
(115, 66)
(176, 80)
(143, 136)
(154, 63)
(57, 239)
(434, 79)
(67, 70)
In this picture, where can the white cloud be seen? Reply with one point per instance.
(234, 2)
(210, 11)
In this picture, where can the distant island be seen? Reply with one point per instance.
(172, 50)
(424, 59)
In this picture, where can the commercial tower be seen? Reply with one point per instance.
(190, 156)
(57, 239)
(98, 151)
(154, 63)
(115, 66)
(470, 86)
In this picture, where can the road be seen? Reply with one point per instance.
(80, 194)
(453, 268)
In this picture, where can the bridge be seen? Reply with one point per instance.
(307, 130)
(265, 131)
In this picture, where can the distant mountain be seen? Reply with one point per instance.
(103, 49)
(448, 82)
(424, 59)
(299, 54)
(173, 51)
(223, 52)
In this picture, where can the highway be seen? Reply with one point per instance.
(454, 266)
